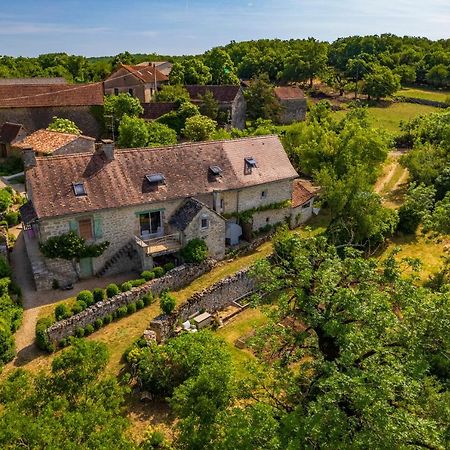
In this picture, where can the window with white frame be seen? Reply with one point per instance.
(204, 222)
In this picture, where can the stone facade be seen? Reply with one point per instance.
(238, 111)
(35, 118)
(173, 280)
(292, 110)
(213, 299)
(301, 214)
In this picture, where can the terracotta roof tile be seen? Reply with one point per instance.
(121, 182)
(26, 96)
(300, 194)
(36, 80)
(46, 141)
(146, 73)
(9, 132)
(289, 93)
(222, 93)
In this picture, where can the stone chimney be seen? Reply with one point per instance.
(108, 149)
(29, 158)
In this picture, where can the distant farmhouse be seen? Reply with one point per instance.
(140, 81)
(293, 104)
(149, 202)
(35, 104)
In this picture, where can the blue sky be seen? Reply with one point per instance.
(107, 27)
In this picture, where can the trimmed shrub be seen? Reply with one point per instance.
(131, 308)
(169, 266)
(138, 282)
(121, 312)
(99, 294)
(98, 324)
(5, 268)
(89, 329)
(64, 342)
(7, 347)
(167, 303)
(42, 340)
(112, 290)
(78, 307)
(158, 271)
(62, 311)
(86, 297)
(79, 332)
(107, 319)
(12, 217)
(147, 299)
(195, 251)
(148, 275)
(140, 304)
(126, 286)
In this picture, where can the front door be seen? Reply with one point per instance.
(86, 269)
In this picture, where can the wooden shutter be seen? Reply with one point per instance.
(98, 231)
(85, 227)
(73, 226)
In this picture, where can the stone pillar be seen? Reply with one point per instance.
(108, 149)
(29, 158)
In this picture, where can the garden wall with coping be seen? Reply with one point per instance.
(212, 299)
(173, 280)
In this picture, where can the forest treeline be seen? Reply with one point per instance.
(341, 63)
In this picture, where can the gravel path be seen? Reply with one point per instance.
(34, 300)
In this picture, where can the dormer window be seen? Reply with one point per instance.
(215, 171)
(79, 189)
(249, 164)
(156, 179)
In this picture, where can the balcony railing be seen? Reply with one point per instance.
(169, 243)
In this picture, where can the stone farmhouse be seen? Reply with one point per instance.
(46, 142)
(231, 101)
(34, 105)
(293, 104)
(149, 202)
(140, 81)
(165, 67)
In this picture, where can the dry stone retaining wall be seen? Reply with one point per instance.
(213, 299)
(422, 101)
(173, 280)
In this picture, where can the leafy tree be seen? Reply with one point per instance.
(381, 82)
(419, 201)
(190, 71)
(261, 100)
(172, 93)
(63, 126)
(6, 200)
(7, 347)
(160, 134)
(117, 106)
(133, 132)
(199, 128)
(177, 119)
(167, 302)
(439, 219)
(209, 106)
(221, 67)
(406, 73)
(75, 406)
(438, 75)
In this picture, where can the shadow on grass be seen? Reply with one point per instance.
(28, 354)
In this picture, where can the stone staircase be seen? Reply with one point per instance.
(123, 257)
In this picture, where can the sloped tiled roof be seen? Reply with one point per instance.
(9, 132)
(27, 213)
(157, 109)
(121, 182)
(146, 74)
(36, 80)
(46, 141)
(26, 96)
(289, 93)
(222, 93)
(186, 213)
(300, 193)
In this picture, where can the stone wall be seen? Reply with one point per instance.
(36, 118)
(301, 214)
(173, 280)
(239, 111)
(213, 299)
(422, 101)
(292, 110)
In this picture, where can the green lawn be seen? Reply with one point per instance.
(424, 93)
(389, 117)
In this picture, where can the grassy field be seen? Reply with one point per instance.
(390, 115)
(424, 93)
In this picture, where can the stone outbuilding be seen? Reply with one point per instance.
(293, 104)
(46, 142)
(9, 134)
